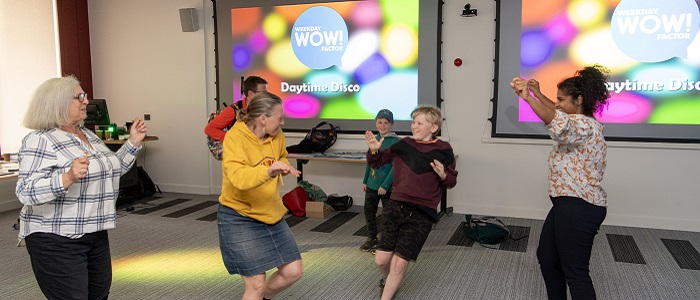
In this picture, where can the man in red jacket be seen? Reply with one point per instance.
(227, 116)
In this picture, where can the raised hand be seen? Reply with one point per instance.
(372, 141)
(137, 132)
(520, 87)
(439, 168)
(534, 85)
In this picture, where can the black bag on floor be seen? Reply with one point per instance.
(339, 202)
(146, 186)
(487, 230)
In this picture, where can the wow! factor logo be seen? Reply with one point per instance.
(319, 37)
(652, 30)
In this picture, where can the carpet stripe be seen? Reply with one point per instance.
(516, 232)
(191, 209)
(151, 198)
(459, 237)
(362, 231)
(209, 218)
(684, 253)
(624, 249)
(129, 202)
(294, 220)
(161, 206)
(335, 222)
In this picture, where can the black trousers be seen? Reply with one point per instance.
(565, 247)
(372, 199)
(71, 268)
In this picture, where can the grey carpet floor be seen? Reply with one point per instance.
(167, 248)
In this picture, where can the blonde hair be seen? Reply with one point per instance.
(50, 105)
(260, 104)
(432, 114)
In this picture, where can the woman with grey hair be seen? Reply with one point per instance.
(69, 184)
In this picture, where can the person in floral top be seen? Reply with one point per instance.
(576, 165)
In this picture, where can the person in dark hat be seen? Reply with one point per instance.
(377, 182)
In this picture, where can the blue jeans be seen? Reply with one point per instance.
(372, 199)
(71, 268)
(565, 247)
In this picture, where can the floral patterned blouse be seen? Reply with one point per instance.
(577, 160)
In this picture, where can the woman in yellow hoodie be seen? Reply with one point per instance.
(253, 237)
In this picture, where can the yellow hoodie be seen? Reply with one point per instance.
(246, 186)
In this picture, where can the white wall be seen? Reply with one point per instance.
(27, 58)
(143, 61)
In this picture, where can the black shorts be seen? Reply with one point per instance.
(404, 230)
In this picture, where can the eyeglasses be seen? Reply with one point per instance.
(81, 96)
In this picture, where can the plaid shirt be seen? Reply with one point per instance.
(86, 206)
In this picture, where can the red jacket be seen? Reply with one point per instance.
(225, 119)
(215, 128)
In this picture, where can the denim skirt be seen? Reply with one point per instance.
(250, 247)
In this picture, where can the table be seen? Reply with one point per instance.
(8, 184)
(8, 175)
(352, 157)
(121, 142)
(8, 170)
(346, 157)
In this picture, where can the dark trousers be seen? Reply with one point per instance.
(71, 268)
(565, 247)
(372, 199)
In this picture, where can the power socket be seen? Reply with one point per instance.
(146, 117)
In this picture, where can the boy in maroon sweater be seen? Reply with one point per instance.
(422, 165)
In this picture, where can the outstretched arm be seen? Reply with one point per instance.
(534, 86)
(540, 107)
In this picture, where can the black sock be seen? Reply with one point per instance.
(266, 298)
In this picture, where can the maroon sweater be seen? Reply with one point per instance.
(415, 181)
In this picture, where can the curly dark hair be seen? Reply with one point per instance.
(590, 84)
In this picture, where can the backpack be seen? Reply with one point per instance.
(317, 140)
(487, 230)
(146, 185)
(217, 147)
